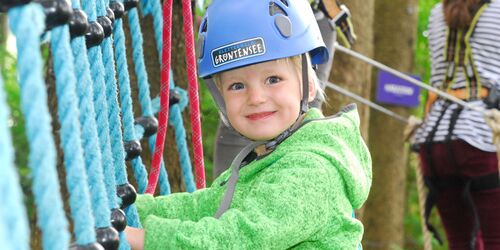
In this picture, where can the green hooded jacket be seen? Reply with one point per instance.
(300, 196)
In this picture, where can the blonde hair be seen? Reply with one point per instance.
(297, 63)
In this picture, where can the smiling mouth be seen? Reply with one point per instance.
(260, 115)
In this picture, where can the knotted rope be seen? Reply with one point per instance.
(27, 24)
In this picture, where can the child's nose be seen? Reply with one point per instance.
(256, 95)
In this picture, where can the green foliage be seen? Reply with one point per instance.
(16, 121)
(209, 122)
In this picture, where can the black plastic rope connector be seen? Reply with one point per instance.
(78, 24)
(57, 12)
(6, 5)
(111, 15)
(133, 149)
(117, 8)
(149, 123)
(118, 219)
(106, 25)
(127, 194)
(130, 4)
(175, 97)
(94, 35)
(108, 237)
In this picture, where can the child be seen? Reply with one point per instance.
(297, 184)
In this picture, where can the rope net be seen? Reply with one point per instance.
(98, 132)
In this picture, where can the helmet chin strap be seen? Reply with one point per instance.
(270, 145)
(304, 103)
(304, 106)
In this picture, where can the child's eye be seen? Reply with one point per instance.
(236, 86)
(273, 80)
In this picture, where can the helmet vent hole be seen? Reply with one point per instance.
(204, 25)
(276, 9)
(284, 2)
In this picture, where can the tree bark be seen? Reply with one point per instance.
(349, 72)
(384, 210)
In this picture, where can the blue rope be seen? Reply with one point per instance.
(105, 98)
(132, 220)
(140, 173)
(76, 177)
(14, 229)
(93, 158)
(155, 105)
(175, 119)
(101, 109)
(113, 106)
(143, 85)
(27, 24)
(154, 8)
(139, 66)
(113, 112)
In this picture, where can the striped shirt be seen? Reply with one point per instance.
(485, 44)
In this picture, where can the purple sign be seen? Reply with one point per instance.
(394, 90)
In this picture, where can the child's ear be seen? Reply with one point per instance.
(312, 91)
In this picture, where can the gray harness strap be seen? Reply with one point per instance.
(231, 185)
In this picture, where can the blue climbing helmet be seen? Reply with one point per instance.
(236, 33)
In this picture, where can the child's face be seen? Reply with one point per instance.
(263, 100)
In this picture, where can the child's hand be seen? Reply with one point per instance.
(135, 237)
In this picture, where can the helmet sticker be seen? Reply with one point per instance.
(238, 51)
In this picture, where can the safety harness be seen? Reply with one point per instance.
(339, 18)
(458, 54)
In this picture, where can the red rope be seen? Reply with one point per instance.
(194, 103)
(164, 97)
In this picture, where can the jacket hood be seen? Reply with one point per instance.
(338, 139)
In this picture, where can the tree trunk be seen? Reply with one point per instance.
(349, 72)
(384, 210)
